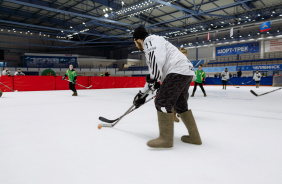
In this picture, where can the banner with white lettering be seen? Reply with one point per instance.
(260, 67)
(238, 49)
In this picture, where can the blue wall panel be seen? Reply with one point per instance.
(239, 80)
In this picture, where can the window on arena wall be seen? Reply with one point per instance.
(3, 64)
(50, 61)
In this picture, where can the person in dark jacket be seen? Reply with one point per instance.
(107, 74)
(239, 73)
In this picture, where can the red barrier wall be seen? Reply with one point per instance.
(34, 83)
(43, 83)
(8, 81)
(61, 84)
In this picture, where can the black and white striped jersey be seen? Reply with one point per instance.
(164, 58)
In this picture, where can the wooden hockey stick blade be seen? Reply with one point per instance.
(254, 93)
(107, 120)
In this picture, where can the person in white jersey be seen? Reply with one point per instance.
(257, 77)
(168, 65)
(225, 78)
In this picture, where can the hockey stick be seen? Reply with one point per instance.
(247, 82)
(80, 84)
(254, 93)
(233, 84)
(118, 119)
(8, 87)
(131, 109)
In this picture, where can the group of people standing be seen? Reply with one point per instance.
(8, 73)
(225, 77)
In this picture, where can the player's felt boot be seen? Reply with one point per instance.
(174, 116)
(1, 93)
(205, 94)
(189, 121)
(165, 140)
(74, 93)
(193, 94)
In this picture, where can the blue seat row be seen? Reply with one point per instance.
(135, 68)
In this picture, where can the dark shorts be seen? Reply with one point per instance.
(72, 86)
(173, 93)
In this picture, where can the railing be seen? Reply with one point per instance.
(246, 62)
(79, 71)
(250, 57)
(67, 65)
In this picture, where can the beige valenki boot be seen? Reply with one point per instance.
(166, 125)
(189, 121)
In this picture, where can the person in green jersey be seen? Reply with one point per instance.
(72, 79)
(200, 74)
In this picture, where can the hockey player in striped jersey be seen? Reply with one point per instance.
(168, 65)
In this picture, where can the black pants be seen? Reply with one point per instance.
(173, 93)
(72, 86)
(224, 83)
(257, 82)
(201, 86)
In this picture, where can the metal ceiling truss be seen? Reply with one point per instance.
(264, 14)
(70, 19)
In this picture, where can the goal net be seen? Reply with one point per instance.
(277, 81)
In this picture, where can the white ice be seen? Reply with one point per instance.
(51, 137)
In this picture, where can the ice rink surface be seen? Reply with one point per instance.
(51, 137)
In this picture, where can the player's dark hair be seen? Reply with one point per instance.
(201, 65)
(140, 33)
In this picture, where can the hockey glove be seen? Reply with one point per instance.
(253, 79)
(149, 80)
(138, 100)
(154, 86)
(258, 76)
(223, 75)
(64, 77)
